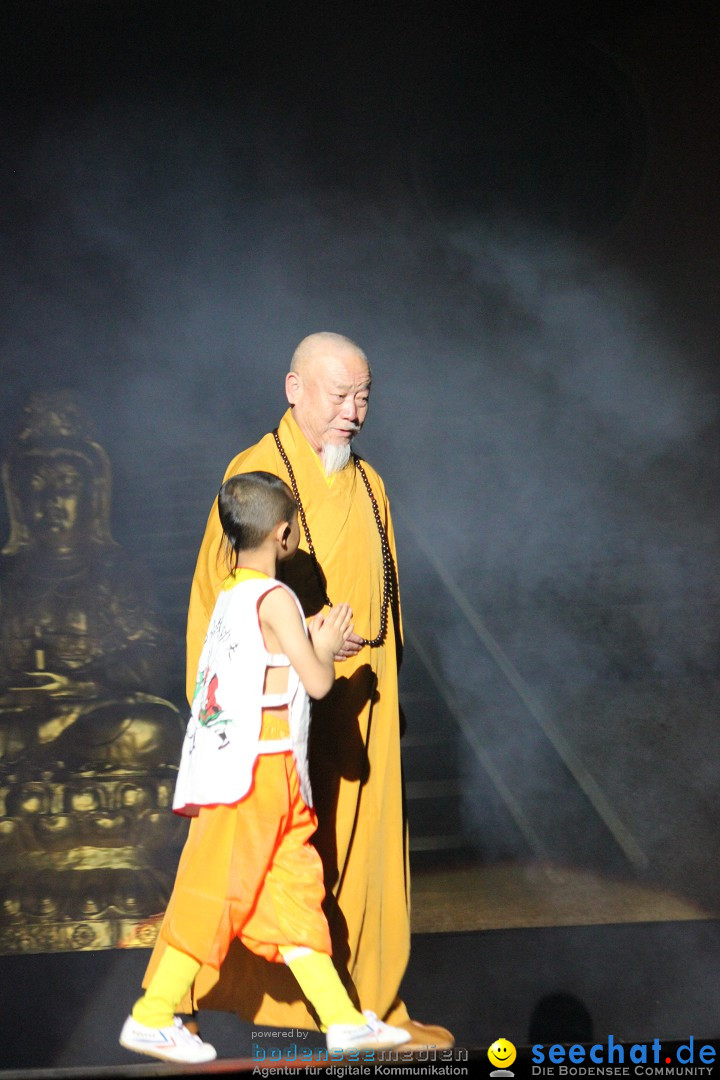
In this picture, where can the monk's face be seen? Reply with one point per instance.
(329, 393)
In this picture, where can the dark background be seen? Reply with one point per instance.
(513, 209)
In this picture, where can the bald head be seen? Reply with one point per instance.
(324, 346)
(328, 386)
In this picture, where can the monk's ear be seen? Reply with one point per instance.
(292, 387)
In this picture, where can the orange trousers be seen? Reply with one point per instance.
(249, 871)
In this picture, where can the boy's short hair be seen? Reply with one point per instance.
(250, 505)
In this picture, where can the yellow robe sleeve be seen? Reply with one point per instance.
(211, 568)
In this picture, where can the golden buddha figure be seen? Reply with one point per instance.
(88, 751)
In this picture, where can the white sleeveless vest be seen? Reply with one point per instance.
(222, 740)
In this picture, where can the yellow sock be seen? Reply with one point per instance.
(321, 985)
(173, 977)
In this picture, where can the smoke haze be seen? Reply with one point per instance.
(172, 230)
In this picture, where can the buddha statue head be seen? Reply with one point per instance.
(57, 480)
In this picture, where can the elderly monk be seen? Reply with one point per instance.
(347, 554)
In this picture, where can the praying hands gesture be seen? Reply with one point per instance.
(332, 631)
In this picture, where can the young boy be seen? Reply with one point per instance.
(248, 869)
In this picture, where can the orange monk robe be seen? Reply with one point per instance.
(354, 747)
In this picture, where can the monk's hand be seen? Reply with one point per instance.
(350, 647)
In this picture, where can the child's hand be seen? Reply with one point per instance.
(329, 632)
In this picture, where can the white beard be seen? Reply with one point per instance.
(335, 457)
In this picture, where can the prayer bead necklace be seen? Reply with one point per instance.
(388, 575)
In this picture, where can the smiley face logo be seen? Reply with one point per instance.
(502, 1053)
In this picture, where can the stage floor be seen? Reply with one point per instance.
(635, 981)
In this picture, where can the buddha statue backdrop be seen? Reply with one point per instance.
(88, 750)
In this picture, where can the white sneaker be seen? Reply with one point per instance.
(173, 1043)
(375, 1035)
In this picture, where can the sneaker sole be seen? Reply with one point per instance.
(166, 1057)
(366, 1046)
